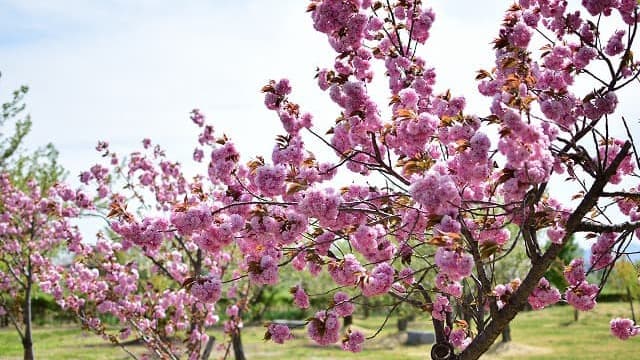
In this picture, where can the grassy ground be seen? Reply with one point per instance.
(60, 342)
(547, 334)
(552, 334)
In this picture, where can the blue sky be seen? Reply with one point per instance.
(122, 70)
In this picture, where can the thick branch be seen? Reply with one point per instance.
(438, 325)
(622, 194)
(518, 300)
(590, 226)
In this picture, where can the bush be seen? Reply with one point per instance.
(612, 297)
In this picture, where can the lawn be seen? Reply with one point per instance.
(552, 334)
(547, 334)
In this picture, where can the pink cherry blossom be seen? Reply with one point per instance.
(353, 342)
(440, 308)
(300, 297)
(207, 289)
(543, 295)
(279, 333)
(582, 296)
(324, 328)
(343, 306)
(623, 328)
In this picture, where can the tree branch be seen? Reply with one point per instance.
(519, 298)
(591, 226)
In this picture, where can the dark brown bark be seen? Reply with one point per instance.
(238, 349)
(208, 348)
(518, 300)
(348, 320)
(27, 340)
(366, 307)
(403, 322)
(196, 322)
(442, 351)
(236, 338)
(506, 334)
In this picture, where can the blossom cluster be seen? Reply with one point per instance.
(444, 192)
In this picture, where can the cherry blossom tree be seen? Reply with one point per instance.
(33, 215)
(156, 282)
(33, 226)
(149, 272)
(106, 280)
(431, 190)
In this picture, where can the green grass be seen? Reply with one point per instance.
(61, 342)
(547, 334)
(552, 334)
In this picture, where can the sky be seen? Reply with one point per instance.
(124, 70)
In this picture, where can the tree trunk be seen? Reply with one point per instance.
(506, 334)
(576, 315)
(466, 315)
(197, 322)
(403, 322)
(366, 307)
(208, 348)
(27, 340)
(633, 313)
(485, 338)
(348, 320)
(238, 350)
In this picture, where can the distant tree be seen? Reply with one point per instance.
(33, 226)
(624, 276)
(555, 274)
(156, 281)
(513, 266)
(623, 279)
(33, 216)
(11, 113)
